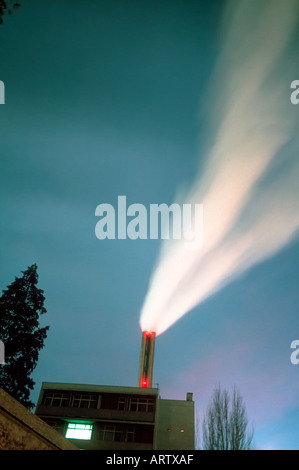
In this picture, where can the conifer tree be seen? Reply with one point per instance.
(7, 6)
(20, 307)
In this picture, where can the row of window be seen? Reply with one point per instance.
(117, 433)
(92, 400)
(104, 432)
(77, 400)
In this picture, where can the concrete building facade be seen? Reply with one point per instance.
(117, 418)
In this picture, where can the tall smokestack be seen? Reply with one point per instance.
(147, 359)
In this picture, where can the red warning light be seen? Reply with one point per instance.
(144, 382)
(148, 334)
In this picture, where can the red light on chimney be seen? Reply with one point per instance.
(146, 359)
(144, 382)
(148, 334)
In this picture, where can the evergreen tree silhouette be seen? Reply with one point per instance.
(7, 6)
(20, 306)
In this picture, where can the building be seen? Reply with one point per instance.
(117, 418)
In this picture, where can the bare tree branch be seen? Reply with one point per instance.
(225, 424)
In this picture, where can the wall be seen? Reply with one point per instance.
(175, 425)
(22, 430)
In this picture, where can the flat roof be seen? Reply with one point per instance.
(113, 389)
(99, 388)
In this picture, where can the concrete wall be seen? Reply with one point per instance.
(174, 425)
(22, 430)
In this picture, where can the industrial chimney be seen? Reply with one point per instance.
(147, 359)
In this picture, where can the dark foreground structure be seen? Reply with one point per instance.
(98, 417)
(22, 430)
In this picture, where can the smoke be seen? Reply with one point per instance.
(249, 184)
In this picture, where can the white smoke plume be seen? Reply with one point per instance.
(249, 184)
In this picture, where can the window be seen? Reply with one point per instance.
(130, 434)
(84, 400)
(79, 431)
(122, 403)
(142, 404)
(56, 399)
(111, 433)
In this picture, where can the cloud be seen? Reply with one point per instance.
(248, 186)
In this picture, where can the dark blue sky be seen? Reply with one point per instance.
(106, 99)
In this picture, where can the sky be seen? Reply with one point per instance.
(158, 101)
